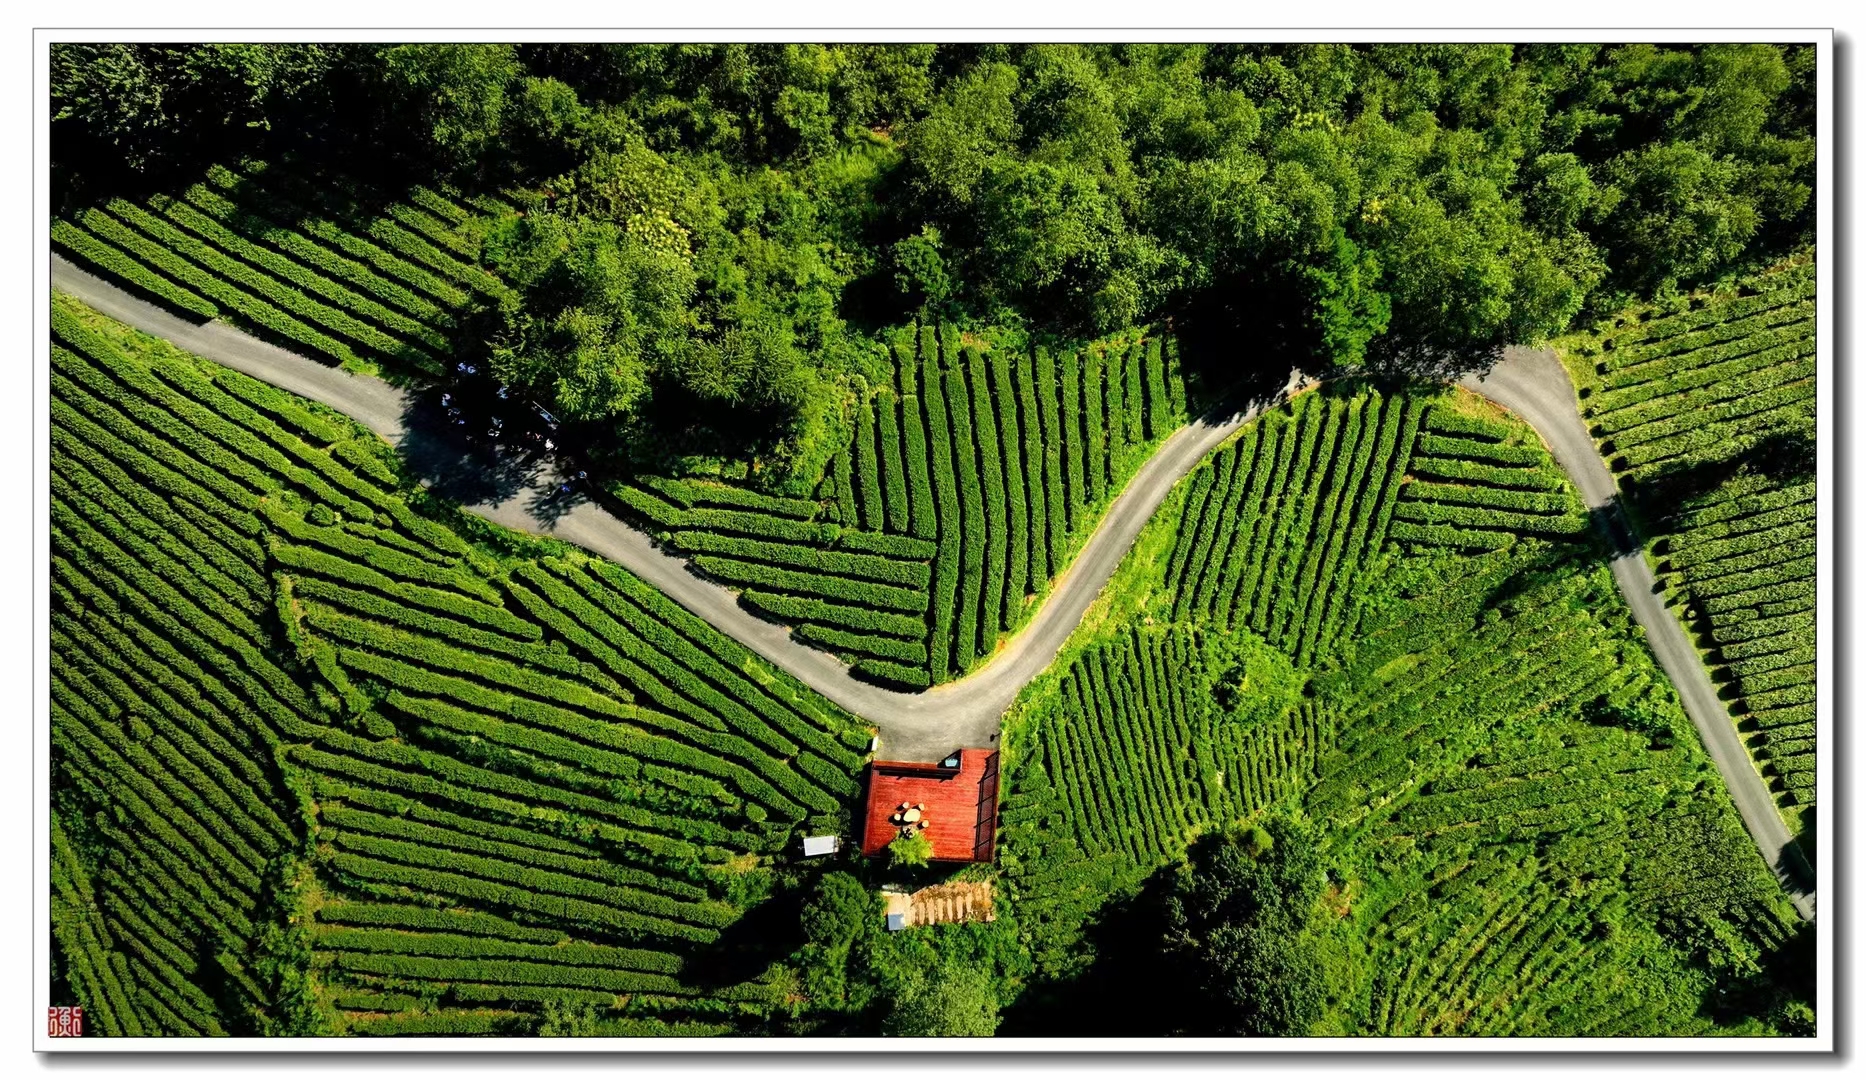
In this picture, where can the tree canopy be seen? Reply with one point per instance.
(1245, 919)
(714, 235)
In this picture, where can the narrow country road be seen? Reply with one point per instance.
(922, 726)
(928, 725)
(1533, 384)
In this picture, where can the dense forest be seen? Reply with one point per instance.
(710, 238)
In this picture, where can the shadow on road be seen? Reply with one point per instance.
(474, 472)
(1609, 523)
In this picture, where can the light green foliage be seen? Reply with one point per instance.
(954, 1000)
(1706, 411)
(1255, 684)
(1506, 821)
(910, 851)
(325, 768)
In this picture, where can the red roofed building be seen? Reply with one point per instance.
(956, 798)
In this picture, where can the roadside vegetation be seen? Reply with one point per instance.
(1704, 409)
(1503, 821)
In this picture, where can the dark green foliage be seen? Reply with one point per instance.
(690, 224)
(1062, 509)
(989, 459)
(1089, 422)
(1013, 471)
(1038, 471)
(1277, 534)
(987, 434)
(973, 540)
(1162, 404)
(895, 483)
(1113, 382)
(1245, 918)
(1078, 481)
(914, 445)
(947, 573)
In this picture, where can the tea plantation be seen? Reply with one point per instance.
(1364, 737)
(321, 764)
(1707, 416)
(969, 480)
(305, 264)
(1383, 613)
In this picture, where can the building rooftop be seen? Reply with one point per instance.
(822, 845)
(957, 799)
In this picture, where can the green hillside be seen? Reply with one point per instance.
(970, 478)
(1706, 414)
(1521, 834)
(322, 764)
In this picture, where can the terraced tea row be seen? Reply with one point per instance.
(305, 266)
(1520, 834)
(1670, 392)
(521, 780)
(1741, 562)
(1281, 527)
(1707, 415)
(1132, 759)
(968, 482)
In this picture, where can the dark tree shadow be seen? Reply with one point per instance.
(1784, 975)
(1130, 989)
(1785, 457)
(1240, 338)
(477, 471)
(1397, 355)
(762, 936)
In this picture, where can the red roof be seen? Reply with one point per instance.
(961, 805)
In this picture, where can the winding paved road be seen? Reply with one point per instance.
(922, 726)
(1533, 384)
(928, 725)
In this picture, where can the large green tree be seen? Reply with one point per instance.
(953, 1000)
(1246, 923)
